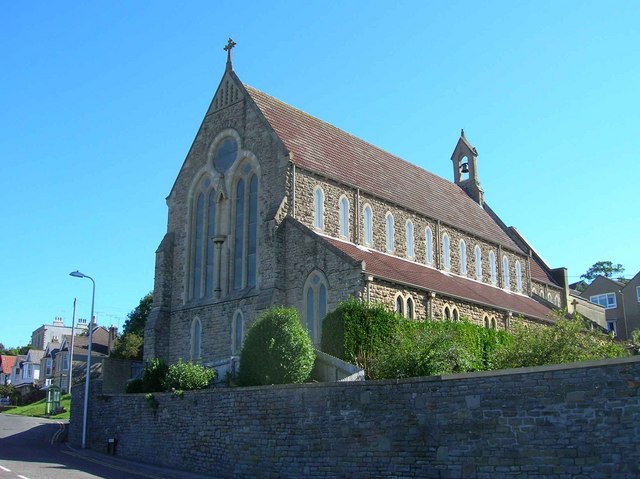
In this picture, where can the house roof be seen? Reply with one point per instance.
(35, 355)
(100, 343)
(322, 148)
(7, 363)
(423, 277)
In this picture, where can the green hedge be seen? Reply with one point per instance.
(426, 348)
(356, 330)
(188, 376)
(277, 350)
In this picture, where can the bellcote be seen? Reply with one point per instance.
(465, 169)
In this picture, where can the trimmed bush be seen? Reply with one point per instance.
(135, 386)
(438, 347)
(188, 376)
(356, 330)
(277, 350)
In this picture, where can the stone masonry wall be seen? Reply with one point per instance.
(560, 421)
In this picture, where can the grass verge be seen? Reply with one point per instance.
(37, 409)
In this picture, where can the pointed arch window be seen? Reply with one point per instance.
(399, 305)
(478, 256)
(463, 257)
(368, 226)
(344, 217)
(446, 253)
(410, 308)
(315, 297)
(518, 277)
(238, 332)
(202, 247)
(390, 244)
(409, 232)
(428, 235)
(492, 268)
(506, 283)
(196, 339)
(318, 208)
(446, 313)
(246, 229)
(455, 315)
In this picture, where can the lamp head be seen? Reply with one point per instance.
(76, 274)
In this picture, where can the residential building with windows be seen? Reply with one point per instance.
(47, 333)
(607, 293)
(275, 207)
(631, 303)
(7, 363)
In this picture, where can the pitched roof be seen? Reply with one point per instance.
(424, 277)
(7, 363)
(322, 148)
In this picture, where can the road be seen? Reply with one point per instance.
(27, 451)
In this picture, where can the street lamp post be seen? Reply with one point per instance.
(78, 274)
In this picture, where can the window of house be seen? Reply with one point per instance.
(245, 229)
(238, 332)
(49, 367)
(446, 253)
(368, 226)
(399, 306)
(478, 257)
(318, 208)
(410, 252)
(196, 338)
(65, 362)
(518, 277)
(316, 304)
(204, 227)
(410, 308)
(607, 300)
(492, 268)
(199, 239)
(390, 244)
(638, 293)
(611, 327)
(428, 235)
(506, 284)
(344, 217)
(463, 257)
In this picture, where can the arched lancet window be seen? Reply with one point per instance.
(410, 252)
(505, 273)
(549, 297)
(390, 244)
(315, 295)
(455, 314)
(368, 226)
(446, 313)
(518, 277)
(478, 257)
(203, 229)
(318, 208)
(410, 308)
(446, 253)
(246, 229)
(344, 217)
(492, 268)
(238, 332)
(463, 257)
(494, 323)
(399, 305)
(428, 235)
(487, 323)
(196, 339)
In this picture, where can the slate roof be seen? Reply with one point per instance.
(424, 277)
(539, 274)
(322, 148)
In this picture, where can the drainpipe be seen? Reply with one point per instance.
(293, 193)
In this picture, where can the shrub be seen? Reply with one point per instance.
(356, 330)
(135, 386)
(566, 341)
(188, 376)
(129, 346)
(437, 347)
(154, 374)
(635, 341)
(277, 350)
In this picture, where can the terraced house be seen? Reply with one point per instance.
(275, 207)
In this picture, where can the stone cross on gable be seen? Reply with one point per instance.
(228, 47)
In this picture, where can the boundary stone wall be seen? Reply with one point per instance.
(568, 421)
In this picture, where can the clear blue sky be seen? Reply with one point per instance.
(100, 101)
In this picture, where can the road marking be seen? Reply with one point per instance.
(22, 477)
(5, 469)
(113, 466)
(57, 434)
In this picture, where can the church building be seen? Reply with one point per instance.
(275, 207)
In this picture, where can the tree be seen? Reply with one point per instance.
(604, 268)
(138, 317)
(131, 343)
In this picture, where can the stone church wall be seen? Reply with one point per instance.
(556, 421)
